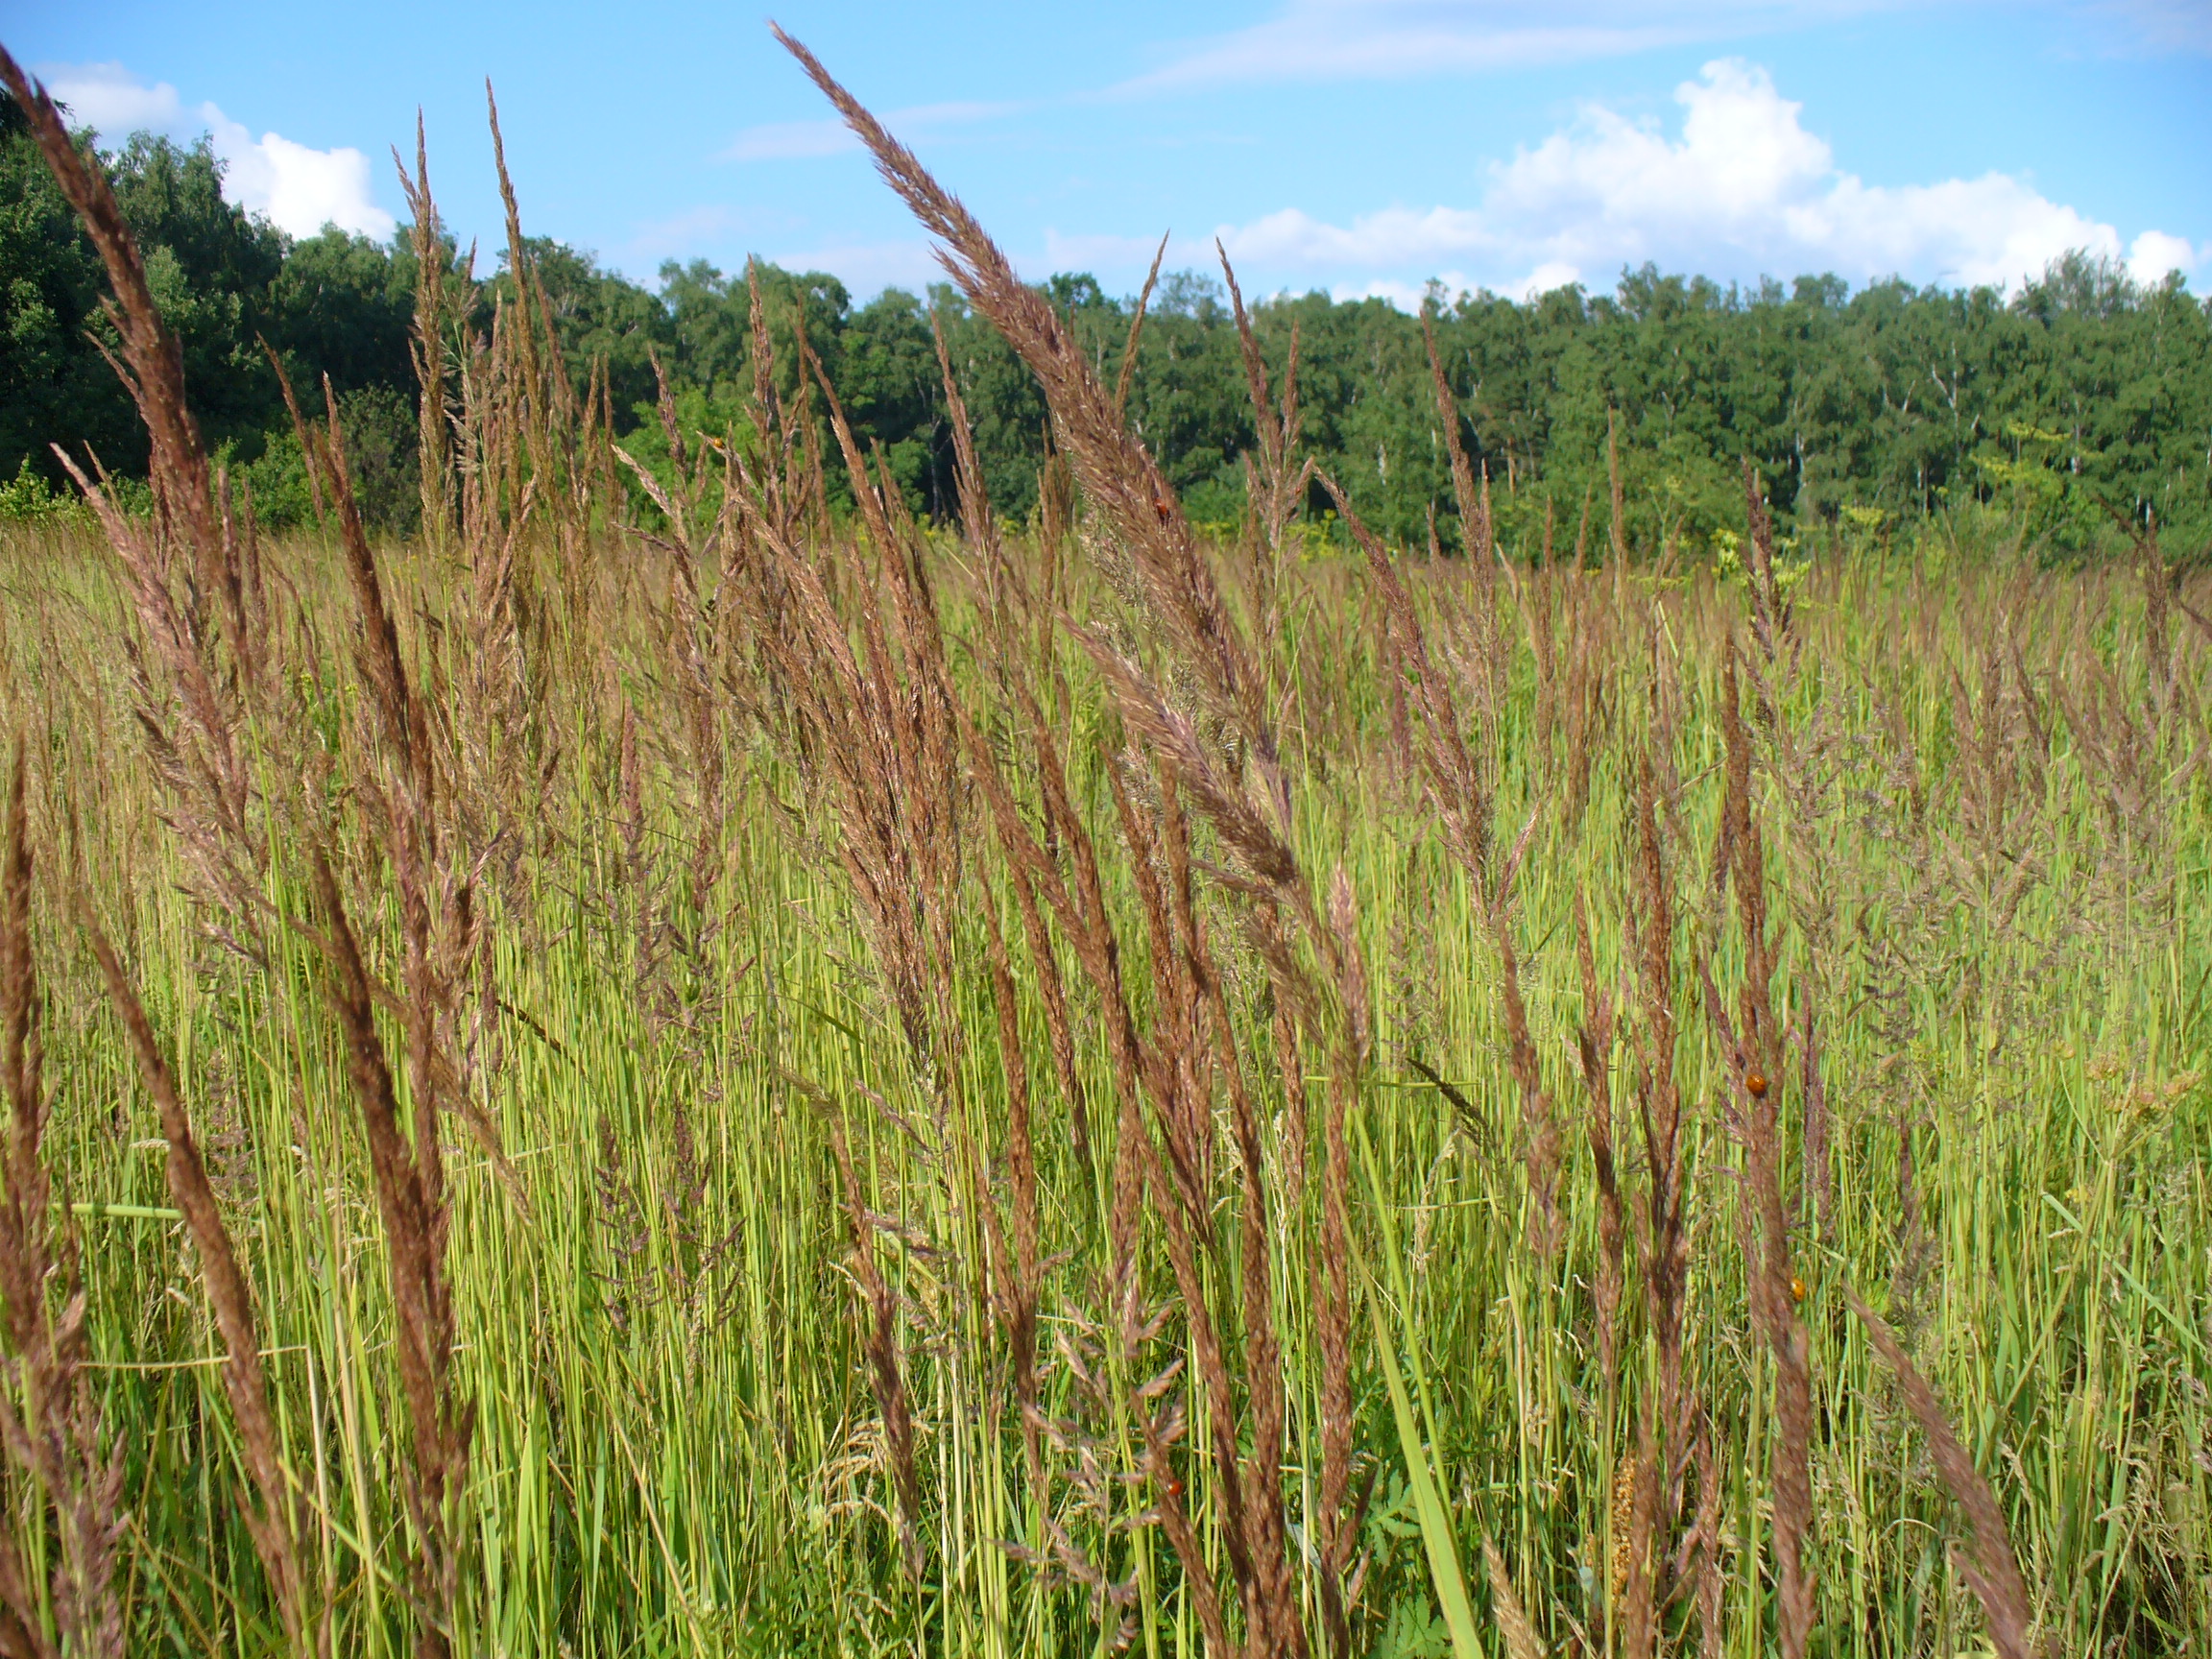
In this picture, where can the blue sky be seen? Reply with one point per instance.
(1362, 145)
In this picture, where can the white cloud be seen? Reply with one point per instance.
(1410, 295)
(1392, 236)
(300, 188)
(113, 102)
(1544, 278)
(1354, 40)
(2154, 255)
(1744, 190)
(1405, 295)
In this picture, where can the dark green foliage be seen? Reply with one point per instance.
(341, 306)
(719, 413)
(333, 305)
(1005, 406)
(378, 425)
(1187, 398)
(53, 385)
(893, 390)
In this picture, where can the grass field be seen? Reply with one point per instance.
(755, 1082)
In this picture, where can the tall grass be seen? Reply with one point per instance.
(746, 1081)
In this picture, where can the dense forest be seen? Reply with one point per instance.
(2082, 400)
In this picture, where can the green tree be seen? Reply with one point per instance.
(54, 387)
(341, 304)
(211, 267)
(599, 316)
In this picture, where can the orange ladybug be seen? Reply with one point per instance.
(1756, 1082)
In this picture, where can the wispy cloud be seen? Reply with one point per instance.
(789, 140)
(2158, 25)
(1745, 189)
(1380, 39)
(795, 140)
(708, 228)
(297, 186)
(1356, 40)
(868, 267)
(1105, 251)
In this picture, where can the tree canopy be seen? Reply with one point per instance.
(2084, 398)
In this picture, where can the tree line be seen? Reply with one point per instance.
(2083, 401)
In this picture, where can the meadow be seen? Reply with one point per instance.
(740, 1078)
